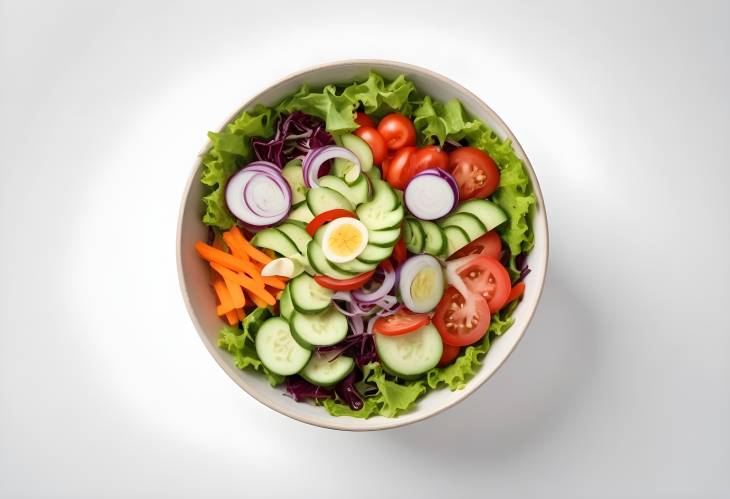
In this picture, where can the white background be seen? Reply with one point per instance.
(619, 388)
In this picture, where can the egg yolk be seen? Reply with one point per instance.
(423, 283)
(345, 240)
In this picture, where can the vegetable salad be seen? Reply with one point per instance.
(367, 243)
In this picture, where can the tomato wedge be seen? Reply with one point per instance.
(350, 284)
(474, 171)
(399, 166)
(486, 276)
(402, 322)
(455, 327)
(363, 119)
(517, 291)
(490, 244)
(325, 217)
(449, 355)
(399, 251)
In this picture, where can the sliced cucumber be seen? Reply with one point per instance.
(307, 296)
(301, 213)
(326, 370)
(292, 172)
(375, 174)
(467, 222)
(354, 267)
(374, 254)
(321, 199)
(278, 350)
(435, 240)
(486, 211)
(275, 240)
(386, 237)
(321, 265)
(414, 236)
(410, 355)
(456, 239)
(360, 190)
(322, 329)
(356, 193)
(297, 234)
(384, 197)
(286, 307)
(359, 148)
(376, 218)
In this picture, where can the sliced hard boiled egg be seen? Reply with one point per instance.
(421, 283)
(285, 267)
(344, 239)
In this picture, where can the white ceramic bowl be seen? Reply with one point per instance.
(193, 272)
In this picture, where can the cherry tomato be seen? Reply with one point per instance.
(449, 355)
(517, 291)
(385, 165)
(474, 171)
(344, 284)
(399, 166)
(428, 157)
(375, 141)
(397, 130)
(399, 251)
(486, 276)
(402, 322)
(325, 217)
(455, 326)
(490, 244)
(363, 119)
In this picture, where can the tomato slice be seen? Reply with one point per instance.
(490, 244)
(375, 141)
(397, 130)
(486, 276)
(449, 355)
(517, 291)
(474, 171)
(402, 322)
(350, 284)
(399, 166)
(363, 119)
(325, 217)
(456, 328)
(428, 157)
(399, 251)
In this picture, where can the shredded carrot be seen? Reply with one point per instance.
(235, 246)
(214, 255)
(224, 297)
(253, 286)
(274, 282)
(249, 248)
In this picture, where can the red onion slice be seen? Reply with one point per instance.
(265, 196)
(385, 287)
(252, 209)
(314, 160)
(431, 194)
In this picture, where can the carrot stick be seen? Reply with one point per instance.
(224, 297)
(258, 301)
(234, 244)
(213, 255)
(274, 282)
(236, 293)
(241, 314)
(232, 318)
(253, 286)
(248, 247)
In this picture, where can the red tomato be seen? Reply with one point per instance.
(375, 141)
(428, 157)
(517, 291)
(490, 244)
(486, 276)
(363, 119)
(399, 166)
(449, 355)
(474, 171)
(385, 165)
(325, 217)
(399, 251)
(344, 284)
(397, 130)
(456, 328)
(402, 322)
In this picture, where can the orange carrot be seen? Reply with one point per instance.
(232, 318)
(248, 247)
(274, 282)
(239, 301)
(241, 314)
(257, 301)
(253, 286)
(213, 255)
(516, 292)
(235, 246)
(224, 297)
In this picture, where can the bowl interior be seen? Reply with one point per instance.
(199, 299)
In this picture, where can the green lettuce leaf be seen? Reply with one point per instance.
(336, 408)
(239, 342)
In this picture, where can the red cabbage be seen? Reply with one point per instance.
(361, 347)
(301, 389)
(295, 135)
(521, 264)
(347, 392)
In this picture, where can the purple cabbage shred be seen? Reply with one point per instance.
(296, 134)
(301, 389)
(347, 392)
(360, 347)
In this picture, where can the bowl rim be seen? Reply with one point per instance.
(350, 424)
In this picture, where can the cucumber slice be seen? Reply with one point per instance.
(307, 296)
(359, 148)
(486, 211)
(321, 265)
(455, 239)
(275, 240)
(375, 218)
(384, 197)
(375, 174)
(386, 237)
(374, 254)
(326, 370)
(301, 213)
(293, 175)
(321, 199)
(323, 329)
(414, 236)
(435, 240)
(278, 350)
(360, 190)
(286, 307)
(357, 193)
(468, 223)
(410, 355)
(298, 236)
(354, 267)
